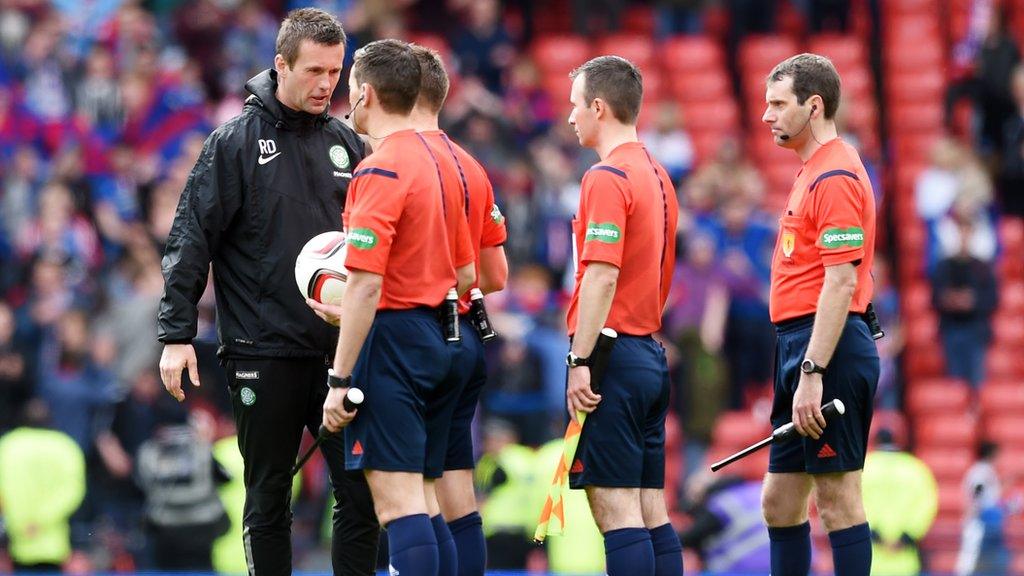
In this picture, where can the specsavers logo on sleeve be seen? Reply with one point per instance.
(362, 238)
(606, 232)
(852, 237)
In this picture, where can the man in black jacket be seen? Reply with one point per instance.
(965, 294)
(266, 182)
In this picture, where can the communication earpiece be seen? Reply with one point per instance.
(353, 110)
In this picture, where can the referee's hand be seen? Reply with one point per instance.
(807, 417)
(579, 396)
(335, 415)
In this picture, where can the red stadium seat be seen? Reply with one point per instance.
(1005, 429)
(637, 48)
(917, 298)
(1011, 232)
(916, 117)
(692, 53)
(1008, 330)
(858, 84)
(911, 7)
(654, 84)
(1010, 465)
(946, 431)
(999, 397)
(944, 535)
(639, 20)
(862, 115)
(1010, 268)
(913, 54)
(938, 396)
(948, 465)
(942, 561)
(916, 86)
(952, 501)
(720, 115)
(560, 53)
(1004, 364)
(1011, 296)
(898, 31)
(913, 151)
(700, 85)
(845, 50)
(923, 329)
(738, 429)
(760, 53)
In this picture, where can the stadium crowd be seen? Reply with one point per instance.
(104, 107)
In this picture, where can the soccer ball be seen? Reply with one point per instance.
(320, 268)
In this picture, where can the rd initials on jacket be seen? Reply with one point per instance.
(268, 151)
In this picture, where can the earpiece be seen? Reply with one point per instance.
(352, 111)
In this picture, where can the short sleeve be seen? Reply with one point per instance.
(494, 232)
(839, 219)
(372, 209)
(604, 208)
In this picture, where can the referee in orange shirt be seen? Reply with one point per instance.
(820, 291)
(450, 463)
(625, 232)
(401, 263)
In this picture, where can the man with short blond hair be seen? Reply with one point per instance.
(625, 232)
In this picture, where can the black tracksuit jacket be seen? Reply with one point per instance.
(265, 183)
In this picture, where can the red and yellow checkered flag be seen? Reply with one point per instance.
(552, 516)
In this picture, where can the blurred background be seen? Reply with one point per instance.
(105, 104)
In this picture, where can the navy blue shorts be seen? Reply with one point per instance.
(449, 413)
(459, 455)
(852, 377)
(402, 364)
(623, 440)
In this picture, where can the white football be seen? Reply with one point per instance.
(320, 268)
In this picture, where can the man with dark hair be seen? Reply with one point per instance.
(408, 250)
(450, 452)
(819, 302)
(625, 232)
(266, 182)
(617, 82)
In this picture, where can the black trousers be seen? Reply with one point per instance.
(273, 399)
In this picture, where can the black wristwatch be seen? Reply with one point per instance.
(574, 361)
(333, 381)
(808, 366)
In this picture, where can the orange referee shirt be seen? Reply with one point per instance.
(829, 219)
(627, 218)
(486, 223)
(396, 225)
